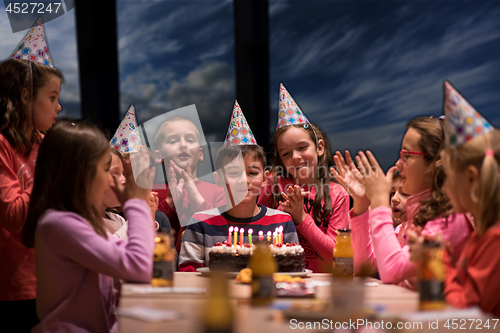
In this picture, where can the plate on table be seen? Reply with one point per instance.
(205, 271)
(297, 274)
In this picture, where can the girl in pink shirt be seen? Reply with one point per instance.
(375, 242)
(76, 261)
(29, 104)
(302, 185)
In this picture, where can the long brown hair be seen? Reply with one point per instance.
(18, 78)
(64, 187)
(323, 175)
(473, 153)
(431, 142)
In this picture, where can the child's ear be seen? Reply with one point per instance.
(25, 96)
(321, 147)
(157, 156)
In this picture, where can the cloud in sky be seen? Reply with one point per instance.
(357, 69)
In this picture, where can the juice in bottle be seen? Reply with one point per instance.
(263, 267)
(342, 253)
(163, 261)
(431, 277)
(218, 316)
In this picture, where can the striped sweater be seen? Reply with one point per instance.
(211, 226)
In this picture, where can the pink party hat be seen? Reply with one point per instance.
(289, 112)
(34, 46)
(238, 133)
(462, 122)
(126, 138)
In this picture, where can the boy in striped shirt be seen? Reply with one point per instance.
(240, 172)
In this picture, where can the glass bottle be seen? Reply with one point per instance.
(163, 261)
(342, 253)
(431, 277)
(263, 267)
(218, 315)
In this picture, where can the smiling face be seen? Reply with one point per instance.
(413, 168)
(181, 144)
(45, 107)
(243, 179)
(101, 182)
(398, 201)
(299, 154)
(116, 168)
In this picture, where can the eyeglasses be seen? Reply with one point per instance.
(404, 154)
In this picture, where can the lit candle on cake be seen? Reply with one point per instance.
(250, 232)
(235, 236)
(229, 235)
(281, 235)
(275, 235)
(269, 237)
(242, 234)
(261, 235)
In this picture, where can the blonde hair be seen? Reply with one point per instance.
(160, 132)
(473, 153)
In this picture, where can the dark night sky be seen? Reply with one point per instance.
(358, 69)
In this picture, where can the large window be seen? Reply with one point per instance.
(176, 53)
(362, 69)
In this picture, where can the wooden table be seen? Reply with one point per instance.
(390, 300)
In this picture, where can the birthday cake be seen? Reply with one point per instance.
(225, 256)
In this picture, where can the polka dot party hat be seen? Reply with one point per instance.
(126, 138)
(238, 133)
(289, 112)
(462, 122)
(34, 46)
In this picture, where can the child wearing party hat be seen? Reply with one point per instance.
(471, 161)
(302, 186)
(240, 172)
(29, 105)
(177, 142)
(374, 240)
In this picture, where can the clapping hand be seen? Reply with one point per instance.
(293, 203)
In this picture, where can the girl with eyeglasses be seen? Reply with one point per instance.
(427, 208)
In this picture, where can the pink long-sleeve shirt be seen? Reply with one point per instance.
(318, 241)
(17, 263)
(376, 243)
(75, 268)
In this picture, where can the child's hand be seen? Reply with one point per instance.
(179, 180)
(415, 241)
(138, 187)
(153, 203)
(377, 184)
(294, 203)
(347, 175)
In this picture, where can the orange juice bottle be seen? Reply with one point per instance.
(431, 277)
(218, 316)
(263, 267)
(163, 261)
(342, 253)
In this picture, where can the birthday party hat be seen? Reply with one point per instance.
(126, 138)
(34, 46)
(238, 133)
(289, 112)
(462, 122)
